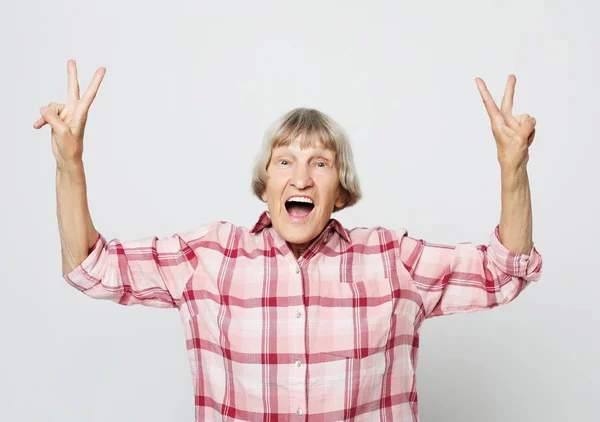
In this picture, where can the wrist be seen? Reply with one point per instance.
(513, 168)
(514, 177)
(71, 166)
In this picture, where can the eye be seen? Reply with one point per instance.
(321, 164)
(283, 162)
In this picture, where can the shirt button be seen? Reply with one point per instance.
(298, 364)
(297, 270)
(298, 314)
(299, 412)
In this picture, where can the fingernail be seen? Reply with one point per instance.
(533, 120)
(43, 109)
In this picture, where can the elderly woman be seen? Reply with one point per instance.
(298, 316)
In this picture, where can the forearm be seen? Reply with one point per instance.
(516, 216)
(77, 232)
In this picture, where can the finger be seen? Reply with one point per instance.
(90, 93)
(531, 137)
(511, 121)
(41, 122)
(521, 117)
(527, 127)
(509, 94)
(50, 115)
(490, 104)
(507, 103)
(73, 83)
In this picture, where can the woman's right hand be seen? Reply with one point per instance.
(68, 120)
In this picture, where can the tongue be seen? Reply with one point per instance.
(299, 211)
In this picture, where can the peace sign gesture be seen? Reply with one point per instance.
(68, 120)
(513, 134)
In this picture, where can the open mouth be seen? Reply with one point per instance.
(299, 209)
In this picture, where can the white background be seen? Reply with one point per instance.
(189, 90)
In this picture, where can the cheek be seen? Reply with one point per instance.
(274, 191)
(330, 190)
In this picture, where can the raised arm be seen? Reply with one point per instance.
(77, 232)
(148, 271)
(514, 135)
(467, 277)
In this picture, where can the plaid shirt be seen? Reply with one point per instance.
(331, 336)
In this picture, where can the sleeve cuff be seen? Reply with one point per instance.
(527, 266)
(89, 273)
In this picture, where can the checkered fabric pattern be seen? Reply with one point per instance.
(331, 336)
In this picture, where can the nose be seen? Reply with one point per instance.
(301, 178)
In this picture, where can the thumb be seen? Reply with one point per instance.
(527, 126)
(50, 114)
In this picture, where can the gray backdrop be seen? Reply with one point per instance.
(189, 90)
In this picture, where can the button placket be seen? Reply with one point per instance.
(300, 394)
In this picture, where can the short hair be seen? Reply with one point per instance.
(312, 127)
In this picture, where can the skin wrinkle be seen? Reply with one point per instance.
(302, 171)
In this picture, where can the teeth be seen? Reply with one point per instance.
(300, 199)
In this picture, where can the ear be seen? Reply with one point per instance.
(340, 201)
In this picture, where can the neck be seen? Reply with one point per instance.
(298, 250)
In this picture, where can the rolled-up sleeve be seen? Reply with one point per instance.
(151, 271)
(89, 273)
(467, 277)
(526, 266)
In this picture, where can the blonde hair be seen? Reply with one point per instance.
(311, 127)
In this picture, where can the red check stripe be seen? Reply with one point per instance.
(334, 334)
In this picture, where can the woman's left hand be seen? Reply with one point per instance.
(513, 134)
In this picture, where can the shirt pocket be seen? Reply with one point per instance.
(350, 320)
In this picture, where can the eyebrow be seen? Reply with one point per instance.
(317, 156)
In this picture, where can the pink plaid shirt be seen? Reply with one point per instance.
(331, 336)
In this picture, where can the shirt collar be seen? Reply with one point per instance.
(264, 221)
